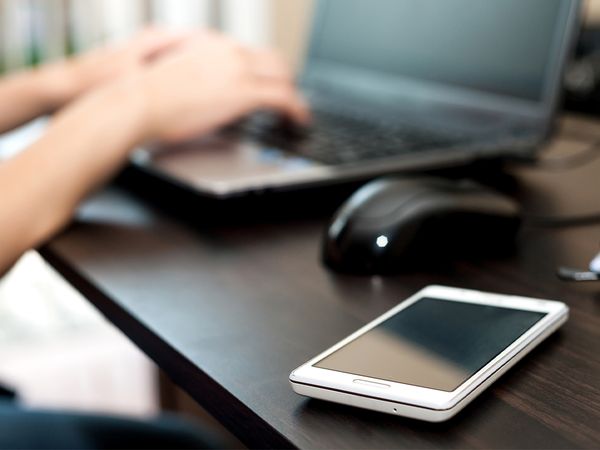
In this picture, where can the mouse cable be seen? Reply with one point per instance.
(531, 220)
(564, 163)
(570, 162)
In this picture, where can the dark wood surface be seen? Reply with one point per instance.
(229, 311)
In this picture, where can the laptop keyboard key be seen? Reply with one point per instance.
(335, 139)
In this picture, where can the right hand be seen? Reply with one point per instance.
(210, 81)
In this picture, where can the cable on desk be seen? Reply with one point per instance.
(559, 164)
(560, 221)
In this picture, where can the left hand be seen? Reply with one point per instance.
(66, 80)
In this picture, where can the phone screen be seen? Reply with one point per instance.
(433, 343)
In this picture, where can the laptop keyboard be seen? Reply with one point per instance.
(335, 139)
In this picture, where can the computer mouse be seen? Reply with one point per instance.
(398, 223)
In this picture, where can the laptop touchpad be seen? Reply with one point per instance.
(221, 160)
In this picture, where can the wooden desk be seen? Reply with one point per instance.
(228, 312)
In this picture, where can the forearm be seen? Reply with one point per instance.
(29, 94)
(83, 146)
(195, 88)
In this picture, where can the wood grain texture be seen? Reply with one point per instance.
(229, 311)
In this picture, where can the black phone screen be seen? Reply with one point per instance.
(434, 343)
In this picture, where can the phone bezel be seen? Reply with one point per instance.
(427, 397)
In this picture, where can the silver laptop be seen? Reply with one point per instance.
(395, 85)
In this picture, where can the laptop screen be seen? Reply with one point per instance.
(505, 47)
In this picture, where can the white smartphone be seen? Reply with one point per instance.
(431, 355)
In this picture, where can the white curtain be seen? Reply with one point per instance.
(247, 20)
(183, 13)
(34, 30)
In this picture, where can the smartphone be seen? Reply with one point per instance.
(431, 355)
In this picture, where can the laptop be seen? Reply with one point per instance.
(394, 86)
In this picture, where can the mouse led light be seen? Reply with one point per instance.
(382, 241)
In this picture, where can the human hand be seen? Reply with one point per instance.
(211, 80)
(66, 80)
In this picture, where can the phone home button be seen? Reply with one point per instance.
(371, 383)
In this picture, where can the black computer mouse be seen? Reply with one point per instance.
(398, 223)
